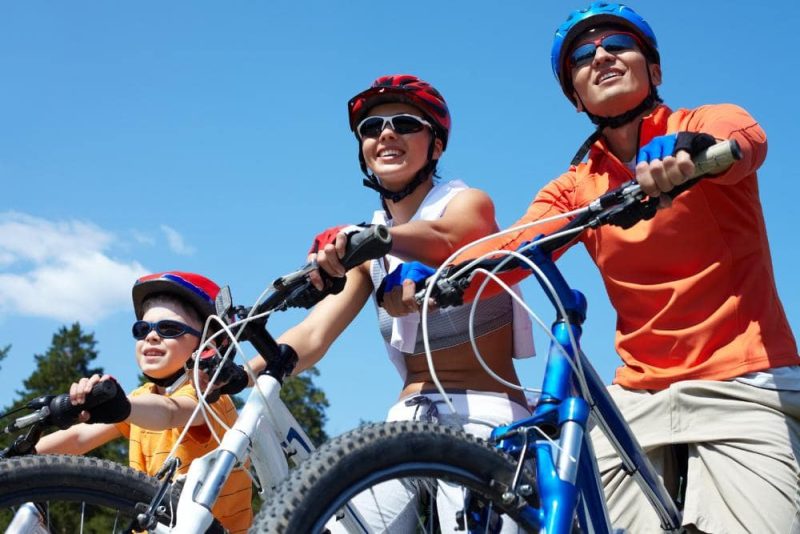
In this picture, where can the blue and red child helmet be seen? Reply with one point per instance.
(195, 290)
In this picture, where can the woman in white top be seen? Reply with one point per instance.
(402, 125)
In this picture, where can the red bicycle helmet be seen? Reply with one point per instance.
(194, 289)
(403, 88)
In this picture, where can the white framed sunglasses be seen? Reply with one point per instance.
(402, 123)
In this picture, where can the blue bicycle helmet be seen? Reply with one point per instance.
(598, 13)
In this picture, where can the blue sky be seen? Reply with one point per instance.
(212, 137)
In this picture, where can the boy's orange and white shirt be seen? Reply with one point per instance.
(149, 449)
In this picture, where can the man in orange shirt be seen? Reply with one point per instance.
(710, 382)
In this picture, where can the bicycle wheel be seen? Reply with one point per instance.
(402, 477)
(77, 493)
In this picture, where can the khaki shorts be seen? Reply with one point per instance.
(743, 443)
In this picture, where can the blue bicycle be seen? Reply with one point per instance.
(538, 474)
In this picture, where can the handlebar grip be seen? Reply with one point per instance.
(713, 160)
(368, 244)
(62, 412)
(716, 158)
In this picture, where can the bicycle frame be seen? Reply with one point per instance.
(567, 473)
(265, 433)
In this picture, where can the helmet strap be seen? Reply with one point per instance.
(622, 119)
(167, 380)
(617, 121)
(584, 148)
(373, 182)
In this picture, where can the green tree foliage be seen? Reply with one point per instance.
(69, 358)
(4, 353)
(307, 403)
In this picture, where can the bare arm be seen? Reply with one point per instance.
(78, 439)
(151, 411)
(468, 216)
(159, 412)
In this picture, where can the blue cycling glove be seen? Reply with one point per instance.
(658, 148)
(668, 145)
(415, 271)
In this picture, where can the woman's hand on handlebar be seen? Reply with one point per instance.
(401, 300)
(327, 250)
(397, 292)
(328, 259)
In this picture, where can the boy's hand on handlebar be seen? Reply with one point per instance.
(113, 410)
(78, 391)
(231, 379)
(666, 161)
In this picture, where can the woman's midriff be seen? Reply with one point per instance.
(458, 368)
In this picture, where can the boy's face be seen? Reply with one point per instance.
(160, 357)
(613, 82)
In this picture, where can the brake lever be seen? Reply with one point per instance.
(445, 292)
(293, 279)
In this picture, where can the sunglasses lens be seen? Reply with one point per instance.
(613, 43)
(406, 124)
(582, 55)
(618, 42)
(370, 127)
(140, 329)
(170, 328)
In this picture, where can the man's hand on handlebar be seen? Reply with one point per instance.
(666, 162)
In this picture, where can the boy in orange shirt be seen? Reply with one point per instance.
(171, 309)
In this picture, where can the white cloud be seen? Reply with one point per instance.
(143, 238)
(176, 241)
(61, 270)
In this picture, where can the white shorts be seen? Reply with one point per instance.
(392, 506)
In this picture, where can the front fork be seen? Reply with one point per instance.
(557, 427)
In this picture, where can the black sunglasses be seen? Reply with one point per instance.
(166, 329)
(402, 124)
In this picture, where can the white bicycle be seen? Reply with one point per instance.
(58, 493)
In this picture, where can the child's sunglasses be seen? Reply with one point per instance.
(402, 124)
(166, 328)
(613, 43)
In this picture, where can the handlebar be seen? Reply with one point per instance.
(624, 206)
(62, 412)
(53, 411)
(295, 290)
(369, 244)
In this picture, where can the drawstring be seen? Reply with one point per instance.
(431, 413)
